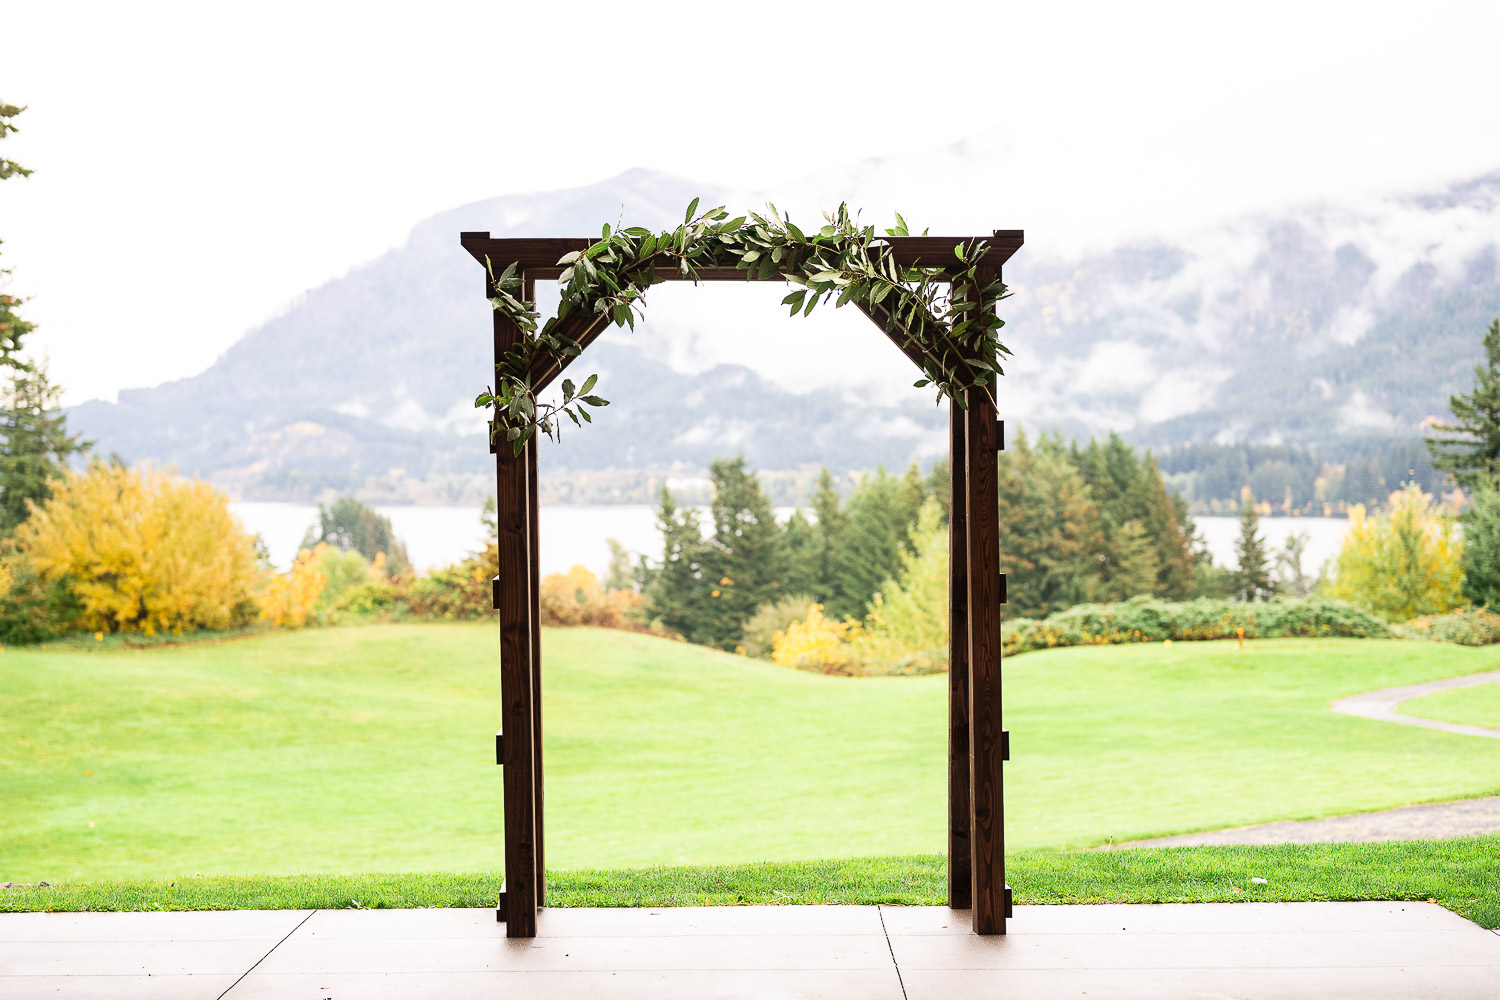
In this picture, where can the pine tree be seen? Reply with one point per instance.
(747, 570)
(1050, 532)
(876, 534)
(831, 526)
(801, 551)
(13, 328)
(1169, 534)
(1475, 456)
(912, 494)
(940, 486)
(348, 524)
(677, 595)
(1481, 558)
(1252, 579)
(1129, 564)
(34, 444)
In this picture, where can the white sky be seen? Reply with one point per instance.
(200, 165)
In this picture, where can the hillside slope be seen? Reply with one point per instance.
(1316, 325)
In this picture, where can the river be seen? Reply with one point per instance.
(576, 533)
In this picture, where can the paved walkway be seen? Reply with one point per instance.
(1263, 950)
(1465, 818)
(1382, 705)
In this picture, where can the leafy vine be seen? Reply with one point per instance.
(946, 316)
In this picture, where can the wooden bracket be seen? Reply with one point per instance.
(1000, 433)
(500, 906)
(1005, 744)
(500, 747)
(1002, 589)
(1009, 908)
(495, 593)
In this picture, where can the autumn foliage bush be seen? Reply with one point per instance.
(135, 551)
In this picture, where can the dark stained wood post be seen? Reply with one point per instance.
(960, 861)
(533, 520)
(986, 593)
(518, 706)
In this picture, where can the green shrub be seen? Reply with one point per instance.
(1147, 619)
(343, 571)
(770, 618)
(1467, 627)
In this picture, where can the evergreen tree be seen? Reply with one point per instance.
(832, 524)
(34, 444)
(677, 595)
(1252, 580)
(1481, 555)
(622, 572)
(1165, 523)
(1129, 564)
(12, 327)
(1050, 532)
(1475, 455)
(875, 535)
(940, 486)
(349, 525)
(912, 494)
(747, 570)
(801, 551)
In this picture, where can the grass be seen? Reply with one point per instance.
(1473, 706)
(1463, 875)
(370, 749)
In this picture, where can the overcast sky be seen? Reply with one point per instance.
(200, 165)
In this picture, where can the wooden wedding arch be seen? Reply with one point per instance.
(977, 744)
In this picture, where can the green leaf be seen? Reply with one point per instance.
(568, 388)
(585, 415)
(595, 400)
(921, 381)
(604, 234)
(568, 258)
(588, 384)
(692, 207)
(751, 256)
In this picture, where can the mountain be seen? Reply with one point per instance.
(1316, 325)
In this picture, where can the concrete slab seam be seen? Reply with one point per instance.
(267, 955)
(880, 910)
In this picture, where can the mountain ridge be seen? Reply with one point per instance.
(1308, 326)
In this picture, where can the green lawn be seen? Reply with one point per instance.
(1474, 706)
(371, 749)
(1463, 874)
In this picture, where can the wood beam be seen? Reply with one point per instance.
(985, 590)
(539, 257)
(533, 523)
(960, 860)
(518, 706)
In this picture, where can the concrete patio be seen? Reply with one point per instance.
(1325, 950)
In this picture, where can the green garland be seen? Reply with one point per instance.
(953, 325)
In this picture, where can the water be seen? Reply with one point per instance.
(575, 534)
(1324, 537)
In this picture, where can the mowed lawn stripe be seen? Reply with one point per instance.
(371, 749)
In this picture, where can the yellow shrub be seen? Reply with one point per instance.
(142, 551)
(1403, 566)
(816, 643)
(287, 601)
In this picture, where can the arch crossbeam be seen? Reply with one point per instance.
(977, 745)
